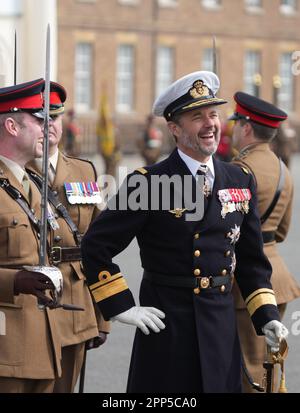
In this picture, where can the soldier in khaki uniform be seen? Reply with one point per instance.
(75, 327)
(30, 348)
(256, 124)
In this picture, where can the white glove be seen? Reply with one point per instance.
(274, 332)
(142, 317)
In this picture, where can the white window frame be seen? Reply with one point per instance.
(288, 7)
(164, 68)
(252, 6)
(207, 61)
(11, 8)
(286, 98)
(125, 78)
(167, 3)
(128, 2)
(250, 70)
(211, 4)
(83, 76)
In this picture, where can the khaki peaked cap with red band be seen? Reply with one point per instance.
(24, 97)
(249, 107)
(58, 96)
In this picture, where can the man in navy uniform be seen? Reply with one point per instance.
(188, 264)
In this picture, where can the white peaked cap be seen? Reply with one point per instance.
(182, 90)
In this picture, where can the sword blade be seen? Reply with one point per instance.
(15, 60)
(44, 195)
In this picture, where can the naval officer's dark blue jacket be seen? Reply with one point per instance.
(199, 350)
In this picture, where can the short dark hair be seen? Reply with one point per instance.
(264, 133)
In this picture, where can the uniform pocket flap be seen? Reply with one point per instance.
(13, 219)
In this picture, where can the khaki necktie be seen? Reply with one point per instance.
(26, 184)
(51, 174)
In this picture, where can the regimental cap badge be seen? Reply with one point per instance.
(199, 90)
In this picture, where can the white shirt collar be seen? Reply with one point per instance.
(15, 168)
(193, 165)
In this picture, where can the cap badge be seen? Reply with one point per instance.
(199, 90)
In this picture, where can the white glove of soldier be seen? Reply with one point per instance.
(274, 332)
(142, 317)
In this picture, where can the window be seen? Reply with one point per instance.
(253, 6)
(167, 3)
(83, 77)
(211, 4)
(129, 2)
(286, 91)
(252, 70)
(208, 60)
(11, 8)
(164, 68)
(288, 6)
(253, 3)
(125, 77)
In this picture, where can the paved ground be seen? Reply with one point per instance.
(107, 367)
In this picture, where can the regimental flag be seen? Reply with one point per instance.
(105, 128)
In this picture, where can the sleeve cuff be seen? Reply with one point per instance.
(116, 304)
(7, 281)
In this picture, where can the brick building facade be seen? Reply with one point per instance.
(135, 48)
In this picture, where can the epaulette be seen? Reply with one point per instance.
(83, 160)
(245, 170)
(241, 155)
(142, 171)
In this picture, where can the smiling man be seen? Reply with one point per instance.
(29, 343)
(87, 329)
(188, 265)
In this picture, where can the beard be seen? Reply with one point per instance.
(197, 143)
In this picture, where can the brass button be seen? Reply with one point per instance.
(197, 271)
(197, 253)
(224, 272)
(227, 253)
(57, 238)
(196, 236)
(197, 290)
(15, 221)
(222, 288)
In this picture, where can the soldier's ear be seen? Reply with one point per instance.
(11, 125)
(247, 128)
